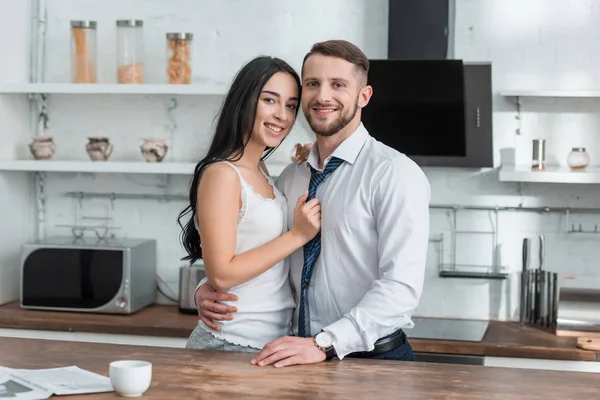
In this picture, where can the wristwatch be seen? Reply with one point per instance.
(324, 341)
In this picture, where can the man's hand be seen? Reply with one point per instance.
(208, 308)
(289, 350)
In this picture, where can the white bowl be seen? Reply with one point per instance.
(130, 378)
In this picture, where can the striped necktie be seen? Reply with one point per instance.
(312, 249)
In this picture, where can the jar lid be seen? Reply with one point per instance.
(84, 24)
(578, 149)
(180, 36)
(130, 23)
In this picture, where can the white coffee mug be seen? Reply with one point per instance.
(130, 378)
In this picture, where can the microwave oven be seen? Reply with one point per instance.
(108, 276)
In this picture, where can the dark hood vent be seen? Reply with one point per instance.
(421, 29)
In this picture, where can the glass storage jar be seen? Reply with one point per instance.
(83, 52)
(578, 158)
(130, 51)
(179, 57)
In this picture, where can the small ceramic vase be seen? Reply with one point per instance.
(42, 147)
(154, 149)
(99, 148)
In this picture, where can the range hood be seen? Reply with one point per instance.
(421, 29)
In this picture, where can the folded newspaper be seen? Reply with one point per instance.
(34, 384)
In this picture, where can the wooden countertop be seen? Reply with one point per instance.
(188, 373)
(502, 339)
(508, 339)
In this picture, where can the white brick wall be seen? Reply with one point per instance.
(226, 34)
(15, 227)
(532, 45)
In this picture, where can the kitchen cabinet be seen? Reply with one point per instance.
(449, 358)
(91, 337)
(532, 363)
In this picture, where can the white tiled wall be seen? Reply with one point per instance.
(537, 44)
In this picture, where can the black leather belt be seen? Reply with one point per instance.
(383, 345)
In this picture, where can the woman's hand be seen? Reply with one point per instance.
(302, 153)
(307, 218)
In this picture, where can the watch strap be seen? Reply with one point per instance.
(329, 352)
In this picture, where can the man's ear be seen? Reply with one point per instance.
(364, 96)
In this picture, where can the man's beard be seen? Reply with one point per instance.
(335, 126)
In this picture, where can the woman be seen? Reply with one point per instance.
(238, 217)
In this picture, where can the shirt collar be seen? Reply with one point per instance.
(348, 150)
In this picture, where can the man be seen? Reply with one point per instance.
(357, 284)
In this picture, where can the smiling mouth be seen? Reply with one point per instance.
(274, 128)
(324, 110)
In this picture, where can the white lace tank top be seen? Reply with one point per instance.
(265, 304)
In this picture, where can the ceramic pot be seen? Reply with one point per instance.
(42, 147)
(154, 149)
(99, 148)
(578, 158)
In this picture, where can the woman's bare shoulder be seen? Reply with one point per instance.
(220, 170)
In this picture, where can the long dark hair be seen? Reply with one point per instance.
(233, 129)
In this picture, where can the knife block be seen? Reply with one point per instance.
(539, 299)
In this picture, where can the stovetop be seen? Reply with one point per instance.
(448, 329)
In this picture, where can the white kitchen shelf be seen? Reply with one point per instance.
(117, 167)
(549, 175)
(139, 167)
(120, 89)
(551, 93)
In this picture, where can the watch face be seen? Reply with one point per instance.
(324, 340)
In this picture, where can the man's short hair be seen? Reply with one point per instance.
(344, 50)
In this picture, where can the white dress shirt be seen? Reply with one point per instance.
(369, 276)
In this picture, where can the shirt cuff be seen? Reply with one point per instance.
(346, 338)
